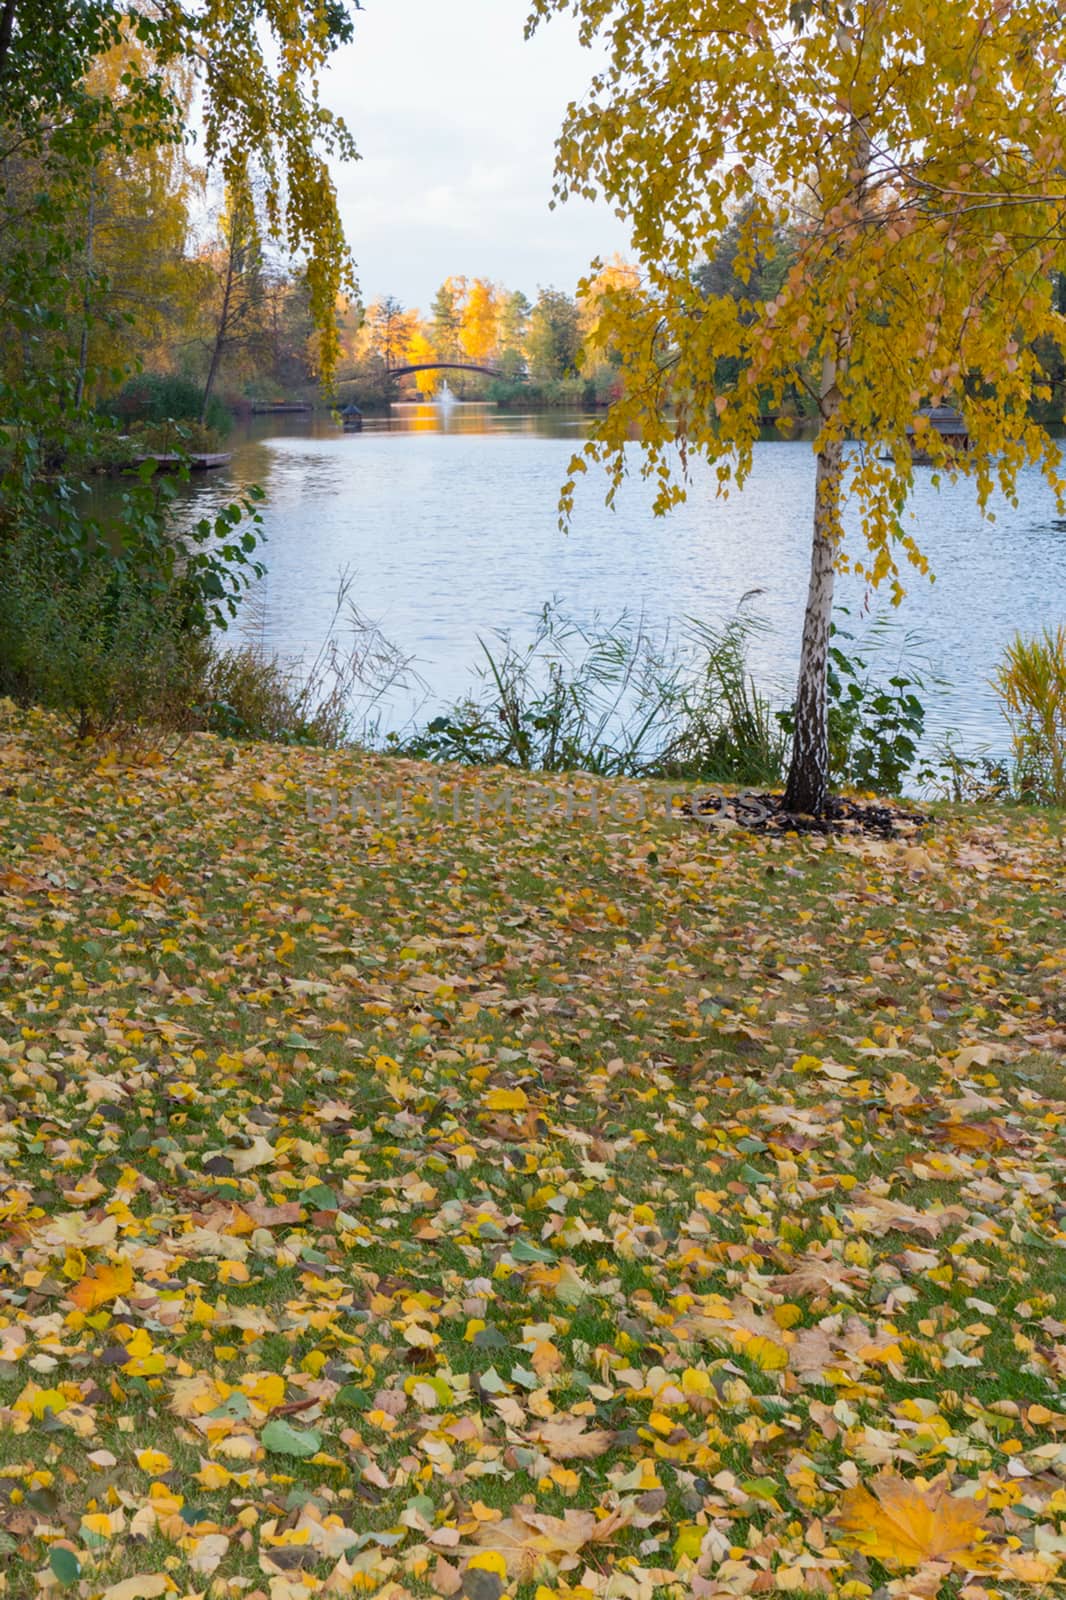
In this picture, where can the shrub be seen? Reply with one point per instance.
(333, 700)
(1031, 684)
(98, 643)
(165, 397)
(966, 777)
(875, 724)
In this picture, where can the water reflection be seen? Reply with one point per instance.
(450, 525)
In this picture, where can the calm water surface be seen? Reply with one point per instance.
(449, 524)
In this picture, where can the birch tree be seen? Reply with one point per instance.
(918, 156)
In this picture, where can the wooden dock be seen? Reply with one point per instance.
(196, 461)
(274, 408)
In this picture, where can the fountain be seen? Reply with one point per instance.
(445, 401)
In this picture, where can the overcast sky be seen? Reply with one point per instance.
(456, 118)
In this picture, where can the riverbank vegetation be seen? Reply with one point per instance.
(100, 267)
(617, 700)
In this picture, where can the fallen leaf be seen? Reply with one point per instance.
(900, 1523)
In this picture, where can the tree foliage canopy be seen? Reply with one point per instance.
(921, 159)
(257, 65)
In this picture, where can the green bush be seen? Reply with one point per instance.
(115, 657)
(159, 397)
(172, 437)
(546, 394)
(875, 724)
(616, 701)
(93, 641)
(728, 730)
(244, 694)
(124, 652)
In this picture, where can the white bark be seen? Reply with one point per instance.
(808, 779)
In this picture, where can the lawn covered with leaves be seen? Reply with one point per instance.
(545, 1206)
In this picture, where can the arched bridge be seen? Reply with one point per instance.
(434, 366)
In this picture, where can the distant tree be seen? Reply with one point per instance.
(389, 328)
(615, 278)
(479, 333)
(749, 268)
(419, 350)
(553, 342)
(289, 340)
(514, 325)
(236, 292)
(139, 290)
(446, 318)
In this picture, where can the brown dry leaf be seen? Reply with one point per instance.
(974, 1135)
(872, 1214)
(908, 1526)
(818, 1275)
(392, 1401)
(565, 1439)
(446, 1579)
(532, 1543)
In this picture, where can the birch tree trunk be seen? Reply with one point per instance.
(807, 789)
(808, 778)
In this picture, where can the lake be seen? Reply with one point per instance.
(449, 526)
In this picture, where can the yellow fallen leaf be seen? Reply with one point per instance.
(507, 1100)
(142, 1586)
(566, 1479)
(195, 1396)
(688, 1541)
(905, 1525)
(267, 1389)
(260, 1153)
(53, 1400)
(767, 1354)
(98, 1523)
(154, 1462)
(489, 1561)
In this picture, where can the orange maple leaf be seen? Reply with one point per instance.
(101, 1285)
(906, 1525)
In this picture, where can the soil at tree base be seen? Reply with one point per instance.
(766, 813)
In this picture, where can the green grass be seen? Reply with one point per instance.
(528, 1075)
